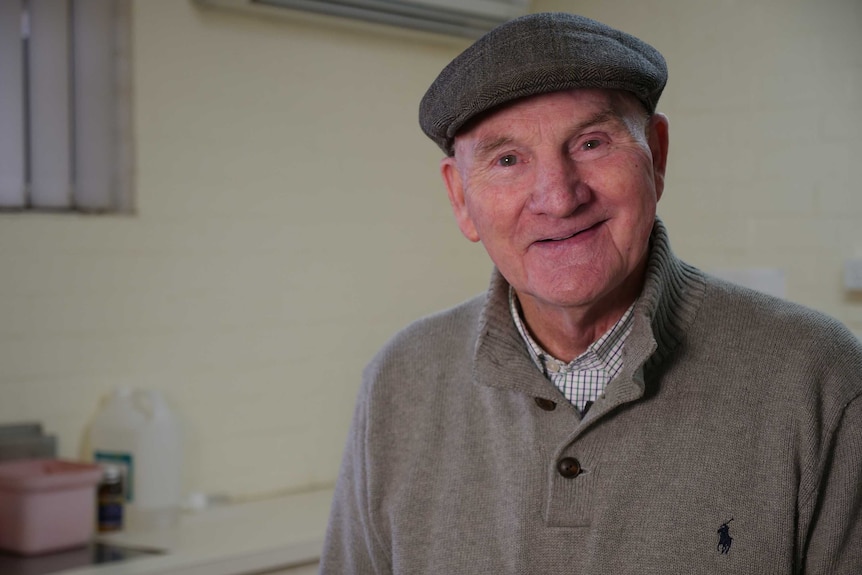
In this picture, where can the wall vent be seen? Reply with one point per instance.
(465, 18)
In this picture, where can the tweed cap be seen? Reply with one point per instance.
(537, 54)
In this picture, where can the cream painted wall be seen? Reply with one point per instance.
(290, 219)
(290, 216)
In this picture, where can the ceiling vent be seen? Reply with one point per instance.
(465, 18)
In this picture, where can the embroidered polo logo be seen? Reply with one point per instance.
(724, 538)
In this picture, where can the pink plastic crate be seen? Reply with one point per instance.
(46, 504)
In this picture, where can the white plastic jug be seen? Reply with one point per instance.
(137, 431)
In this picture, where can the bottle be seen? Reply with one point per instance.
(110, 498)
(137, 432)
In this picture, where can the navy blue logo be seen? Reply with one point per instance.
(724, 538)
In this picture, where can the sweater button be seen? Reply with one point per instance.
(546, 404)
(569, 467)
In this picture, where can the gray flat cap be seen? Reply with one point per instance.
(537, 54)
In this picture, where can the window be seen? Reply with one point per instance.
(65, 105)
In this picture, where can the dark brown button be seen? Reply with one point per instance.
(569, 467)
(546, 404)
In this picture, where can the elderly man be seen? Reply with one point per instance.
(604, 408)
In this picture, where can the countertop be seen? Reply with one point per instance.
(228, 539)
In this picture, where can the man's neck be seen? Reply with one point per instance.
(567, 335)
(566, 332)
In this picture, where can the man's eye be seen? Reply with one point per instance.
(591, 148)
(508, 160)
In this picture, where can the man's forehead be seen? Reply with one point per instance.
(583, 108)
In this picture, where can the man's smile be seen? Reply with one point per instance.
(578, 233)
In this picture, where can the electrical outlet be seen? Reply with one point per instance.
(853, 274)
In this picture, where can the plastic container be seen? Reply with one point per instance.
(137, 431)
(46, 504)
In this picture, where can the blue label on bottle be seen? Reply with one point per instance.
(110, 516)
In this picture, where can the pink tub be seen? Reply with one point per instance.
(46, 504)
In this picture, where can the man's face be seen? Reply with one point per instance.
(561, 189)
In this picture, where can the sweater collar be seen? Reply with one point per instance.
(670, 298)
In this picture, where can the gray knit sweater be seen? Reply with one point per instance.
(730, 443)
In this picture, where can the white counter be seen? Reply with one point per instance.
(228, 540)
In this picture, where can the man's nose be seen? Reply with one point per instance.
(558, 188)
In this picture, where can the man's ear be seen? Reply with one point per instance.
(455, 186)
(658, 137)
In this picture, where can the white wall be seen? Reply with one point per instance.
(290, 215)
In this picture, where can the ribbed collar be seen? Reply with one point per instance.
(671, 296)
